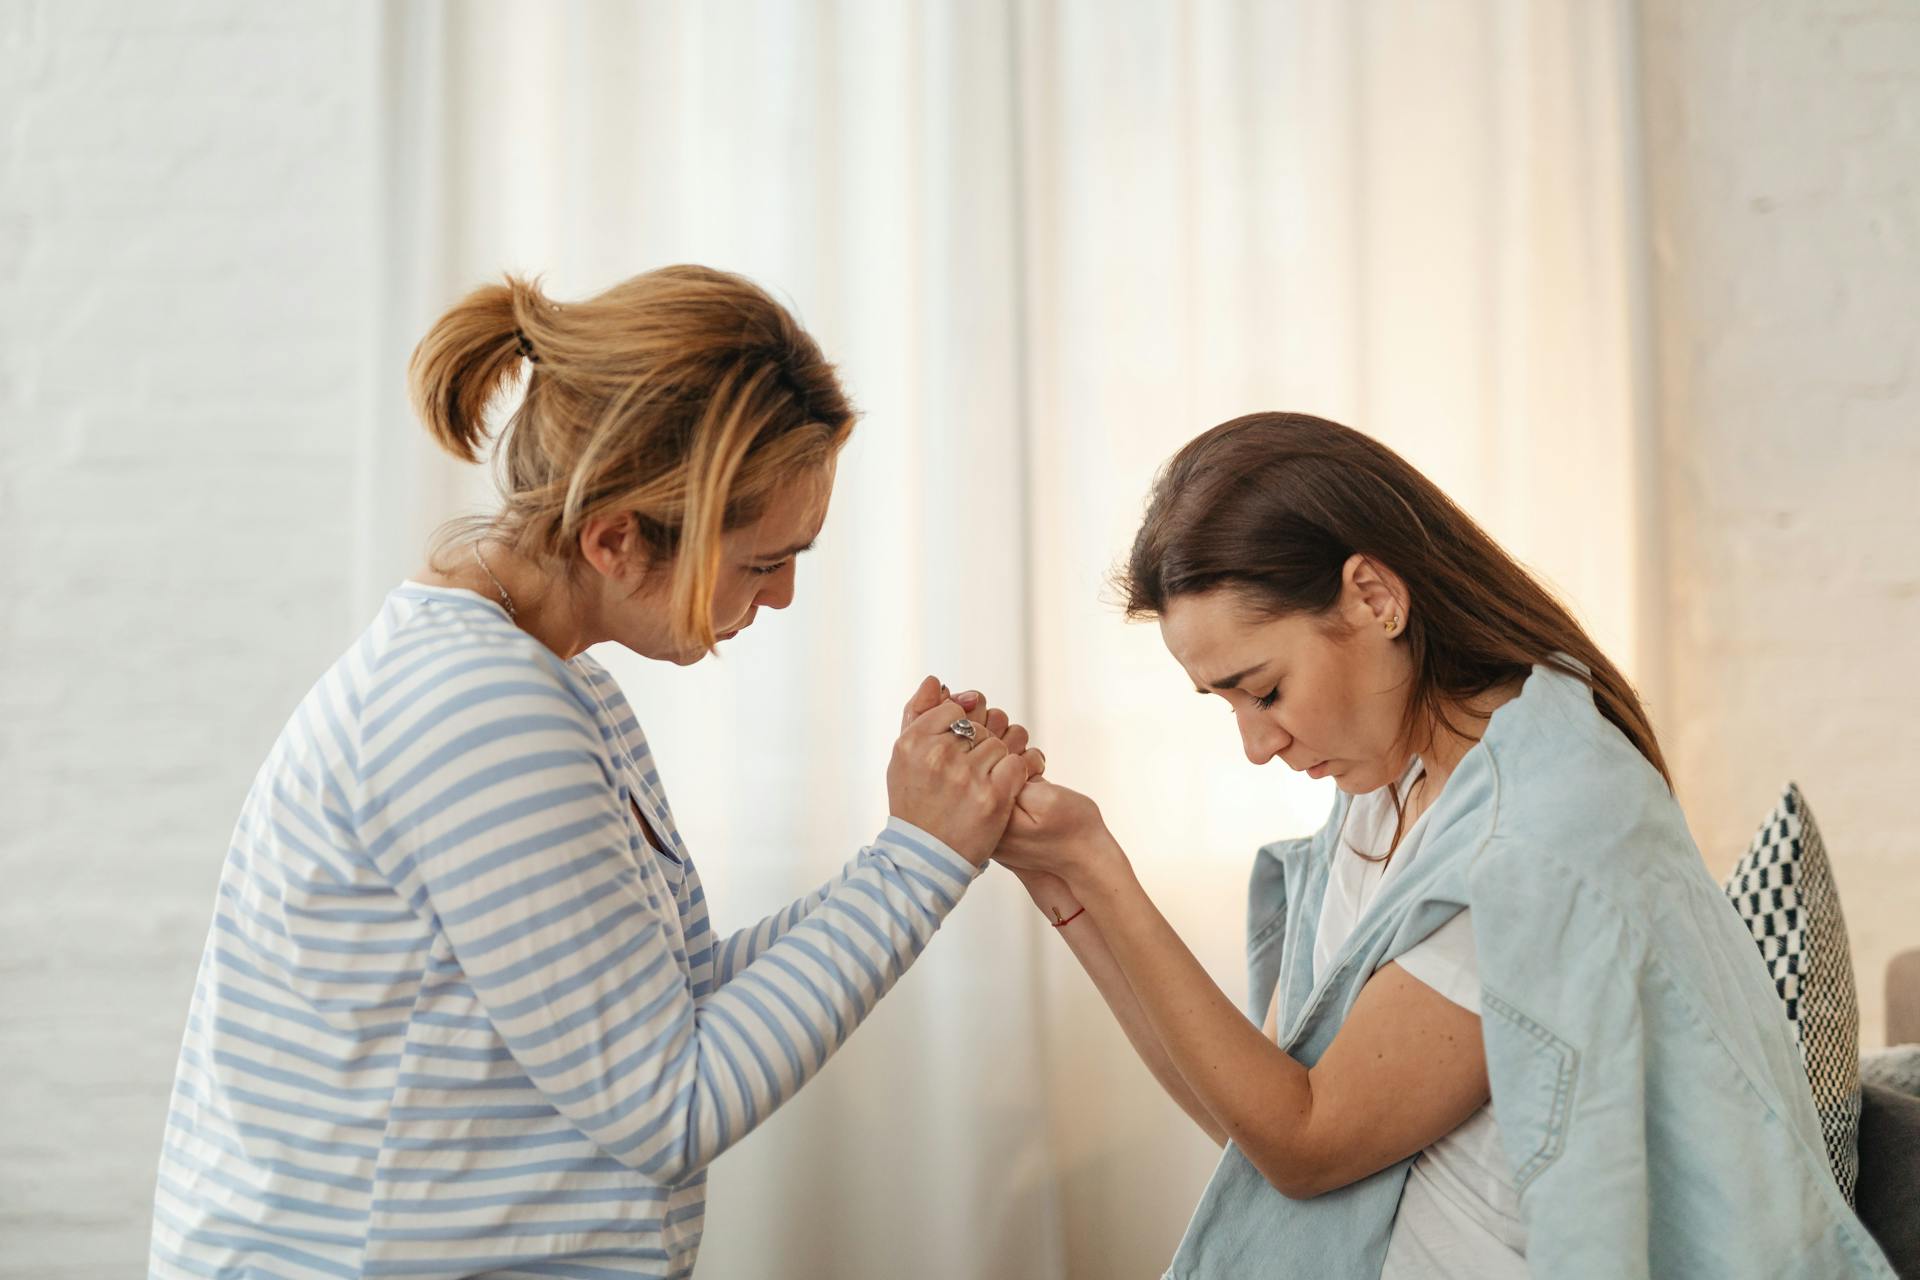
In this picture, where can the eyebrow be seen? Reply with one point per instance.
(790, 551)
(1233, 681)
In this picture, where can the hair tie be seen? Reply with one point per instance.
(526, 346)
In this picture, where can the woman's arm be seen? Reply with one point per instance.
(578, 977)
(1056, 901)
(1405, 1069)
(494, 818)
(740, 948)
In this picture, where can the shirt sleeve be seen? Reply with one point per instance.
(1446, 961)
(739, 948)
(494, 809)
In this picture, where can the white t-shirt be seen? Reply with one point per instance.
(1459, 1215)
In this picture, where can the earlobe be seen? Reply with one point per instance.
(1374, 586)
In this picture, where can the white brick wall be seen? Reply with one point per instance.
(185, 204)
(1784, 159)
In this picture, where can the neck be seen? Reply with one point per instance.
(1447, 743)
(543, 606)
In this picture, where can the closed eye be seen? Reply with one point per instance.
(766, 570)
(1267, 702)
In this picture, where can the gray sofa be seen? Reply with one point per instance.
(1888, 1193)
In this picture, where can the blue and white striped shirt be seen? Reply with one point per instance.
(456, 1016)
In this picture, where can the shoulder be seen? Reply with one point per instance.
(1560, 774)
(1582, 824)
(424, 627)
(445, 671)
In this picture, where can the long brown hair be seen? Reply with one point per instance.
(1272, 505)
(684, 397)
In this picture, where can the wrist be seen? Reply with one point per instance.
(1106, 880)
(1051, 894)
(927, 843)
(1093, 861)
(1060, 919)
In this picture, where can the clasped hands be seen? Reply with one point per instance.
(987, 798)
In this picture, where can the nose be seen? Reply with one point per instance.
(1262, 738)
(778, 591)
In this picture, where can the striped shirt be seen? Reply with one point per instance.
(457, 1016)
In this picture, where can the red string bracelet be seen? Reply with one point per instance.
(1058, 923)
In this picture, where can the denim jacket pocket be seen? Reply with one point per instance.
(1534, 1095)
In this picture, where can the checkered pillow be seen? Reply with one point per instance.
(1783, 889)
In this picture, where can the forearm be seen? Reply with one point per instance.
(752, 1043)
(738, 950)
(1091, 950)
(1253, 1092)
(597, 1011)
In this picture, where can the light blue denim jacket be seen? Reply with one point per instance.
(1647, 1086)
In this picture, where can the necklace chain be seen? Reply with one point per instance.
(505, 599)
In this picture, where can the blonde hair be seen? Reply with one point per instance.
(684, 397)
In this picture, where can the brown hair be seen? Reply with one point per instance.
(1272, 505)
(685, 397)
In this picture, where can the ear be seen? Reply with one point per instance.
(611, 544)
(1373, 595)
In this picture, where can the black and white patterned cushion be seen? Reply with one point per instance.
(1783, 889)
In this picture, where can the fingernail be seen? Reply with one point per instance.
(967, 700)
(944, 693)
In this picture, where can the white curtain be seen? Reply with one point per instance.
(1413, 218)
(1047, 241)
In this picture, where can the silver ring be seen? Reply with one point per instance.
(964, 730)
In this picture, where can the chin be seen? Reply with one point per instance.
(1357, 783)
(657, 652)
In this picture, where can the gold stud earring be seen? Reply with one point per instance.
(1394, 625)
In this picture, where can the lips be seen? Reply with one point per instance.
(1319, 770)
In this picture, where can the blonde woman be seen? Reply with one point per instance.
(461, 1011)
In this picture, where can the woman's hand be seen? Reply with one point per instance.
(961, 792)
(1056, 830)
(994, 721)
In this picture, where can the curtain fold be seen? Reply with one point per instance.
(1047, 241)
